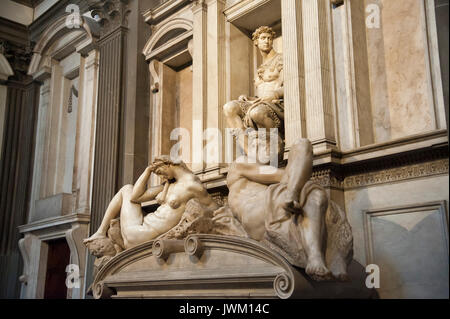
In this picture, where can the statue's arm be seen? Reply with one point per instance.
(140, 192)
(262, 174)
(279, 92)
(149, 194)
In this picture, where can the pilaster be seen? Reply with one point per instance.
(294, 72)
(319, 99)
(86, 131)
(199, 83)
(215, 83)
(109, 123)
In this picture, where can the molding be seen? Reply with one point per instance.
(57, 10)
(13, 32)
(409, 158)
(58, 30)
(407, 172)
(154, 15)
(194, 268)
(178, 23)
(184, 37)
(243, 8)
(286, 281)
(55, 221)
(406, 144)
(441, 206)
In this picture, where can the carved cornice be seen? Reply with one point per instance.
(328, 178)
(163, 10)
(111, 14)
(64, 220)
(397, 174)
(398, 167)
(13, 32)
(243, 8)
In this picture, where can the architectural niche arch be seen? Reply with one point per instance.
(58, 30)
(168, 52)
(153, 45)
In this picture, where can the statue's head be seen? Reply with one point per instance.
(263, 38)
(163, 164)
(264, 145)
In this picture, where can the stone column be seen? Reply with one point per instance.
(15, 172)
(109, 125)
(294, 72)
(318, 70)
(17, 147)
(108, 154)
(199, 85)
(216, 82)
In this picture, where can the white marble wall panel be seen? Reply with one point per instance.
(410, 246)
(401, 84)
(402, 231)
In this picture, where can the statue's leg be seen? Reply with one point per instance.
(298, 172)
(234, 114)
(112, 212)
(131, 221)
(313, 226)
(264, 117)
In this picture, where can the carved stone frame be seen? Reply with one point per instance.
(441, 206)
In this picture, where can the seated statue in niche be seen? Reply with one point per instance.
(284, 209)
(266, 110)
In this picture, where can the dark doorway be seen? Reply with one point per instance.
(57, 261)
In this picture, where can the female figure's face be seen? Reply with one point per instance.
(165, 171)
(265, 42)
